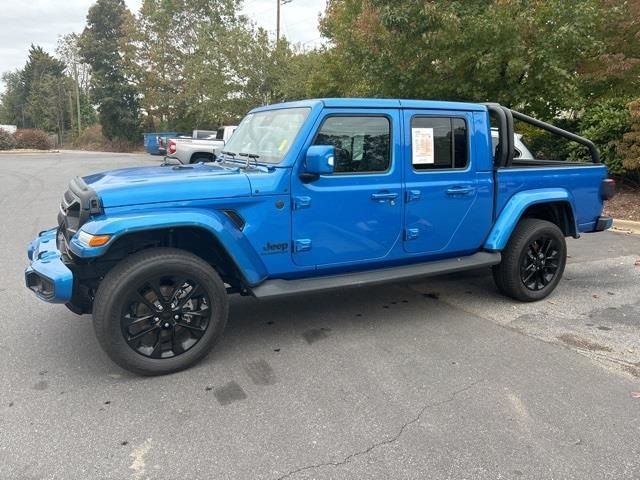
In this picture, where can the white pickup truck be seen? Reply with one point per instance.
(204, 145)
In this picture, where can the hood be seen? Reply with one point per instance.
(171, 183)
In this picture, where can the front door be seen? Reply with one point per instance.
(442, 213)
(354, 214)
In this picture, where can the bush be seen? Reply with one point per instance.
(605, 123)
(630, 147)
(32, 138)
(7, 142)
(91, 138)
(543, 144)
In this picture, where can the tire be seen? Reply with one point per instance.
(173, 295)
(523, 273)
(202, 157)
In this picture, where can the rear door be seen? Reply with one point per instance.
(354, 214)
(447, 205)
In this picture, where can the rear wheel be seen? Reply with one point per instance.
(202, 157)
(160, 311)
(532, 262)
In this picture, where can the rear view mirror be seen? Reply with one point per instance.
(320, 159)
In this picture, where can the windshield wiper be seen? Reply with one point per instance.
(230, 154)
(249, 157)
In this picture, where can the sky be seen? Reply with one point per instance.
(42, 21)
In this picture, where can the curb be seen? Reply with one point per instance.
(26, 151)
(626, 226)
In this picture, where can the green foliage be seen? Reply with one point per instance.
(201, 65)
(630, 146)
(615, 71)
(523, 54)
(605, 123)
(544, 145)
(7, 142)
(542, 57)
(32, 138)
(79, 73)
(13, 99)
(37, 95)
(104, 45)
(184, 64)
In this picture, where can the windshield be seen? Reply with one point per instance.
(268, 134)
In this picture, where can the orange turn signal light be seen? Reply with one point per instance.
(98, 240)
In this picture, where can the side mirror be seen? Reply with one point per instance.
(320, 160)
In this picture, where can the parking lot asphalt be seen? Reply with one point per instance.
(441, 378)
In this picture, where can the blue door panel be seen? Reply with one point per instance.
(348, 218)
(447, 211)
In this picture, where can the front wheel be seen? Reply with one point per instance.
(532, 262)
(160, 311)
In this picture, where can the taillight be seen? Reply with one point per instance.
(608, 189)
(172, 147)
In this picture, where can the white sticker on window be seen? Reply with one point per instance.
(422, 146)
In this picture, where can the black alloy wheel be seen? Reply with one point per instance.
(160, 310)
(540, 262)
(533, 260)
(165, 316)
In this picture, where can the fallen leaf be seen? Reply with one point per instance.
(635, 394)
(595, 295)
(637, 264)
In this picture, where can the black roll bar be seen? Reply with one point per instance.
(504, 152)
(505, 116)
(593, 150)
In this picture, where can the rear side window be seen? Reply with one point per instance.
(439, 143)
(362, 144)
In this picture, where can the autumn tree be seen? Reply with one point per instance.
(521, 53)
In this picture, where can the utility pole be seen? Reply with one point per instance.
(279, 2)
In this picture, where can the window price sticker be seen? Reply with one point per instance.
(422, 146)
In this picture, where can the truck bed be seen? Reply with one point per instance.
(582, 181)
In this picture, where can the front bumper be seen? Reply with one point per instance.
(47, 275)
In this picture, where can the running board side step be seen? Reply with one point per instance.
(279, 287)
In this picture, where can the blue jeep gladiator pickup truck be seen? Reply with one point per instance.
(310, 196)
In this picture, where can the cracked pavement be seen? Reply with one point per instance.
(443, 378)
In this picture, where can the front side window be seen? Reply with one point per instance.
(362, 144)
(268, 135)
(439, 143)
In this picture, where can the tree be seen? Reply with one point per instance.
(68, 52)
(13, 101)
(103, 45)
(48, 104)
(34, 94)
(615, 71)
(522, 53)
(159, 59)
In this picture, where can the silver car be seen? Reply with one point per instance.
(520, 150)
